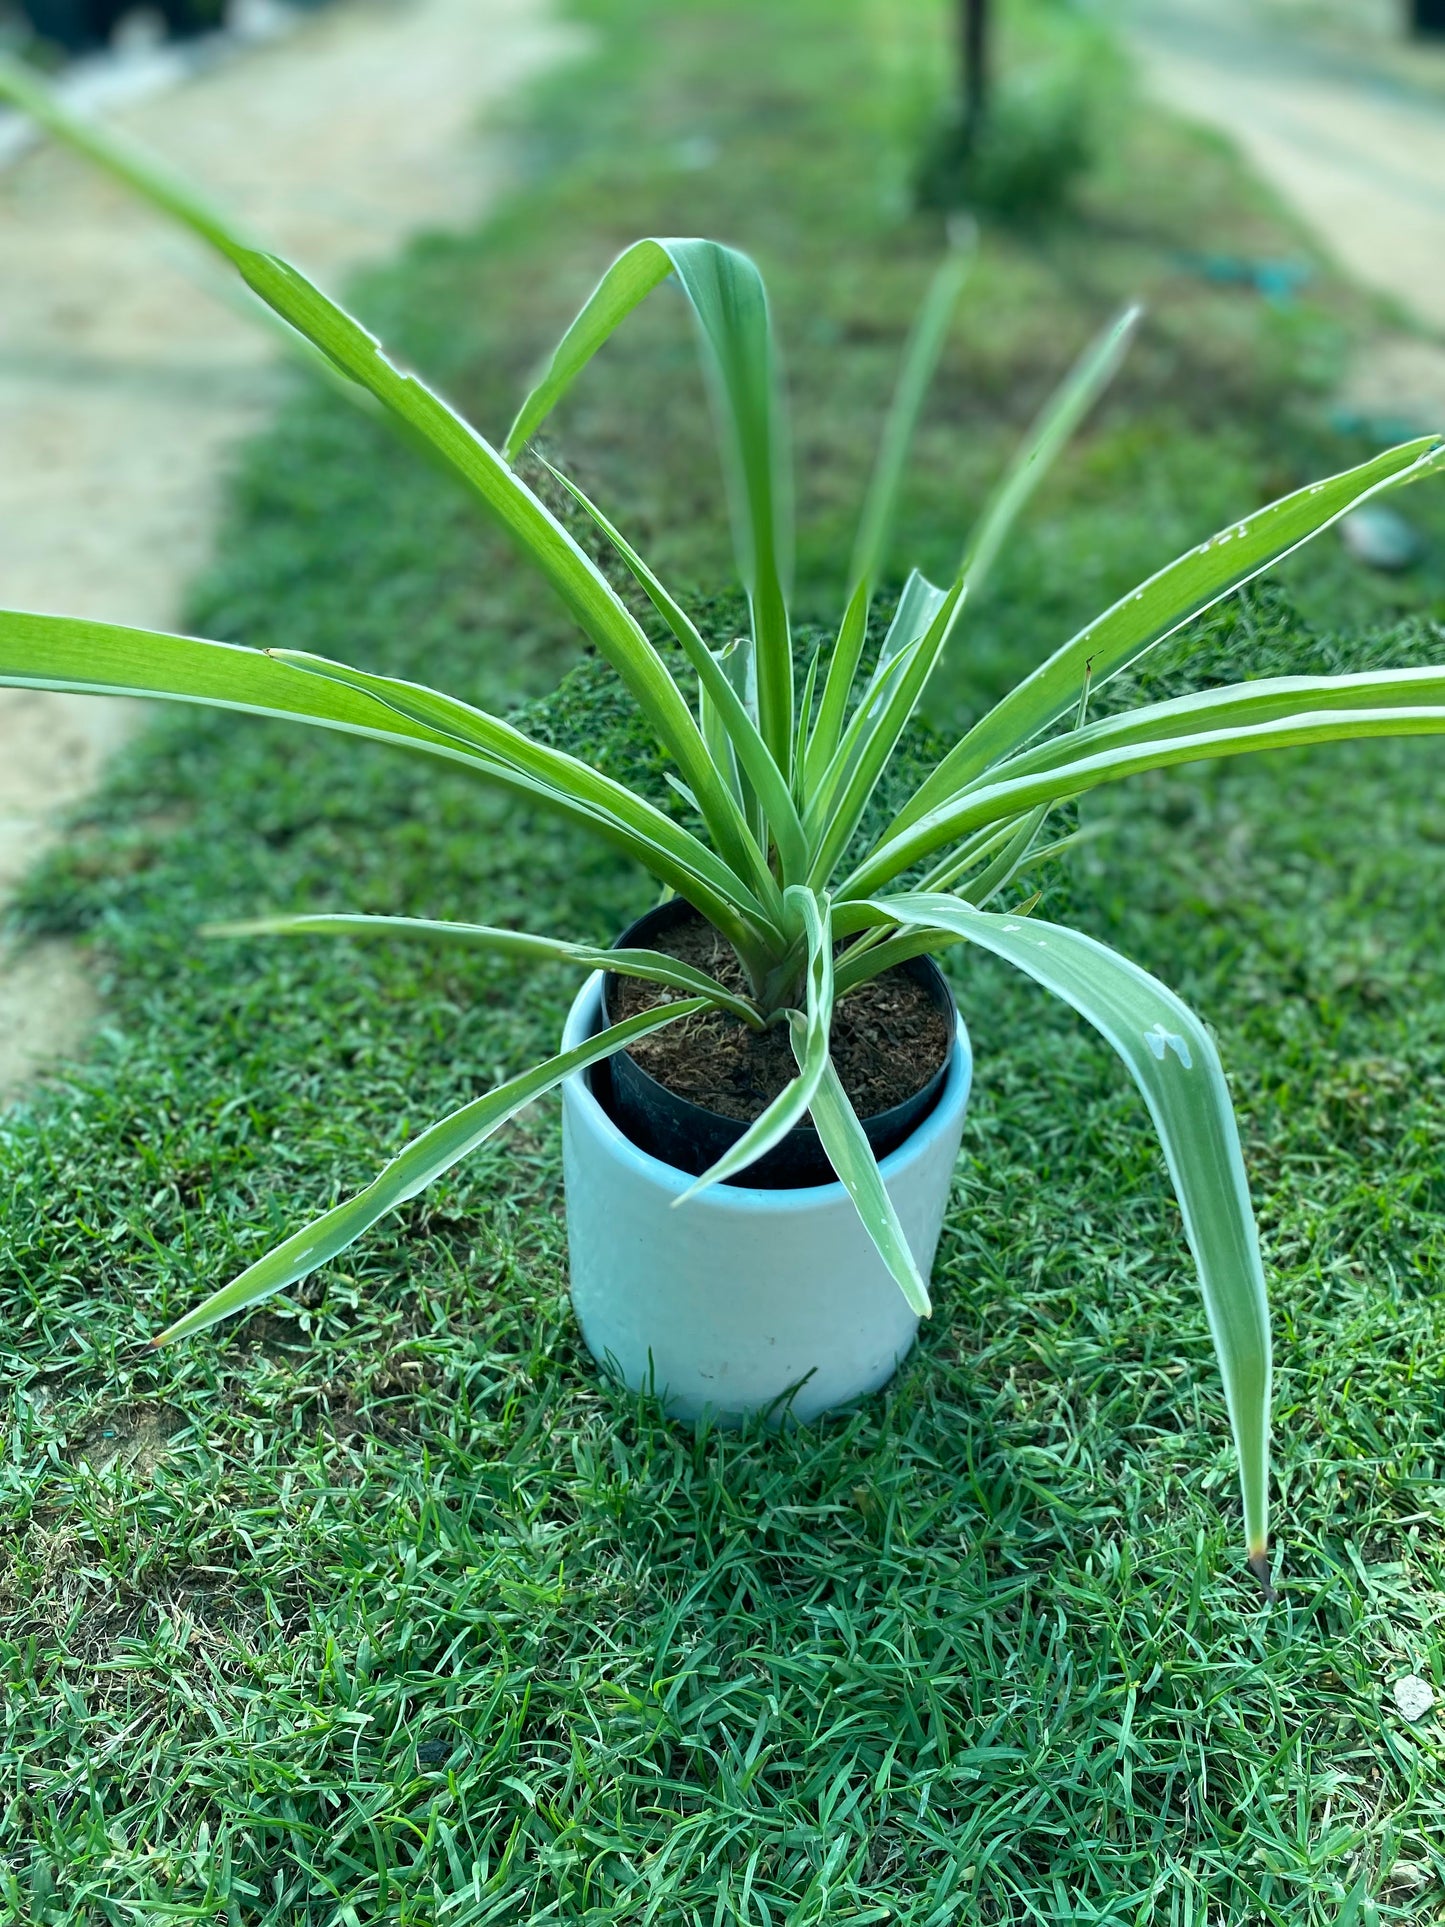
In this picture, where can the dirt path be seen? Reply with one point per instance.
(1352, 143)
(124, 383)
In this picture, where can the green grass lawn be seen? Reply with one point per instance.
(380, 1605)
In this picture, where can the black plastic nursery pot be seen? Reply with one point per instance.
(691, 1138)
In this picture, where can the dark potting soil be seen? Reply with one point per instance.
(888, 1037)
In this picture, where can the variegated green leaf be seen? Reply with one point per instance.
(920, 358)
(791, 1104)
(735, 718)
(1213, 724)
(1172, 1059)
(653, 966)
(412, 1170)
(1041, 447)
(851, 1156)
(567, 776)
(1162, 605)
(727, 298)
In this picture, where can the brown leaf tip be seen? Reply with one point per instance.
(1259, 1566)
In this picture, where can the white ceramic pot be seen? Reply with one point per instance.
(737, 1297)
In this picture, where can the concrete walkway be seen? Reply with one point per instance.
(1350, 142)
(124, 382)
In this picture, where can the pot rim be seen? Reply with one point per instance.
(583, 1022)
(884, 1123)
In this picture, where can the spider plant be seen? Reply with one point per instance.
(777, 762)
